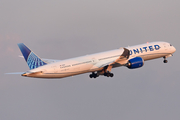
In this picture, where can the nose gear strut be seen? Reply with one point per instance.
(165, 61)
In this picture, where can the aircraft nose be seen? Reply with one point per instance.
(174, 49)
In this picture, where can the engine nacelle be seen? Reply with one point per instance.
(136, 62)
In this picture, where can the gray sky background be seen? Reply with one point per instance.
(61, 29)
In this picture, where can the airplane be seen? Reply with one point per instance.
(97, 64)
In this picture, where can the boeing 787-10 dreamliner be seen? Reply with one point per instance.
(98, 64)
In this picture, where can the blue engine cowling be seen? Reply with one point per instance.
(136, 62)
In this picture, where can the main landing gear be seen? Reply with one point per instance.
(165, 61)
(93, 75)
(108, 74)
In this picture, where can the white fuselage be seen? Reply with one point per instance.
(93, 62)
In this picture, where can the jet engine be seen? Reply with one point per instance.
(136, 62)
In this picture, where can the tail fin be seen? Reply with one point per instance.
(31, 58)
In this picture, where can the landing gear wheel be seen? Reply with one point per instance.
(111, 75)
(108, 74)
(165, 61)
(93, 75)
(105, 74)
(90, 75)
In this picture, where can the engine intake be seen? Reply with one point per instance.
(136, 62)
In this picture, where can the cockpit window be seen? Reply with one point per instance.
(170, 45)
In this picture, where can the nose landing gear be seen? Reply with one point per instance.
(165, 61)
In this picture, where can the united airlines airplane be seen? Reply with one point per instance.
(98, 64)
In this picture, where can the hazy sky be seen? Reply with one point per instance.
(61, 29)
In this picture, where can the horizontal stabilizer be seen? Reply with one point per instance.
(15, 73)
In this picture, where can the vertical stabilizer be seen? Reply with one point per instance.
(31, 58)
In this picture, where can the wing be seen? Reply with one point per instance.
(121, 61)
